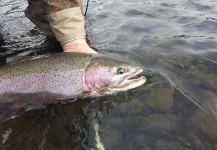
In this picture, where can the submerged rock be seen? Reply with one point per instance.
(191, 140)
(110, 137)
(206, 122)
(133, 107)
(160, 100)
(165, 145)
(160, 124)
(141, 141)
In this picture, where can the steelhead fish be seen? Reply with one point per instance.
(36, 82)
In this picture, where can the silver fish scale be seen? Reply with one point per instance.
(61, 73)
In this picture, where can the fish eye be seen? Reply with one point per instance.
(121, 70)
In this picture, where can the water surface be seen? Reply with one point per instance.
(175, 41)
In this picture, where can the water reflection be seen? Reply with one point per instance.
(41, 129)
(176, 109)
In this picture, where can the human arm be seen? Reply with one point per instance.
(67, 23)
(78, 46)
(62, 19)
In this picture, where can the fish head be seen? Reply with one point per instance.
(106, 75)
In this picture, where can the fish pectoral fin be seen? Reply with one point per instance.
(68, 101)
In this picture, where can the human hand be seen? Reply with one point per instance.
(79, 45)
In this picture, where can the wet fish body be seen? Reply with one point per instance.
(39, 81)
(47, 77)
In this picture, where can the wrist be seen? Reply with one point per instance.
(78, 39)
(74, 43)
(79, 45)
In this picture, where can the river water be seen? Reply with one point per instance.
(175, 41)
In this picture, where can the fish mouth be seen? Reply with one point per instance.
(131, 81)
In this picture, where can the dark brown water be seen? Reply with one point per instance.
(175, 41)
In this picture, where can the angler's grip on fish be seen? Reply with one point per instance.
(34, 83)
(37, 82)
